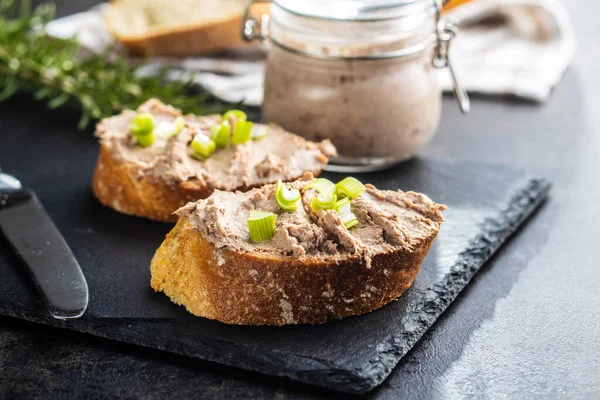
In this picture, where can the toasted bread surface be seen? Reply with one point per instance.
(116, 184)
(254, 289)
(155, 181)
(313, 269)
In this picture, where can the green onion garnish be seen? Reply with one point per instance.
(241, 132)
(142, 124)
(145, 140)
(237, 114)
(322, 185)
(221, 133)
(323, 201)
(259, 133)
(203, 146)
(261, 225)
(167, 129)
(287, 199)
(349, 220)
(342, 207)
(326, 197)
(349, 187)
(179, 124)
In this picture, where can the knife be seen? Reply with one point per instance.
(36, 240)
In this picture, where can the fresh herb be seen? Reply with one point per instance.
(101, 84)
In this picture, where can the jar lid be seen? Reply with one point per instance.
(353, 10)
(353, 29)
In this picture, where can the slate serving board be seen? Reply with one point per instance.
(487, 203)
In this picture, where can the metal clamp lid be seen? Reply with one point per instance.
(446, 31)
(250, 24)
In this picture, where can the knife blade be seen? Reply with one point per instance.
(40, 245)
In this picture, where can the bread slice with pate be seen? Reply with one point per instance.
(156, 180)
(313, 269)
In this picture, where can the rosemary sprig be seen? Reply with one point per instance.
(101, 84)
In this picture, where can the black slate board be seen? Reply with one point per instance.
(486, 204)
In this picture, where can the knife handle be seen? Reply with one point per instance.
(13, 197)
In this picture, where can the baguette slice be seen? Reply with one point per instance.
(155, 181)
(178, 28)
(313, 269)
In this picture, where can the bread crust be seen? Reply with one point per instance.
(183, 40)
(256, 289)
(118, 184)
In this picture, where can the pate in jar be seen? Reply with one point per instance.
(360, 73)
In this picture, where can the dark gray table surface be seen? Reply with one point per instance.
(528, 326)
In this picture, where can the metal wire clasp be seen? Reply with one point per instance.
(253, 29)
(446, 32)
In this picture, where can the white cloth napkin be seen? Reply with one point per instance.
(505, 47)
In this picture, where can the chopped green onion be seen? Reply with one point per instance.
(326, 196)
(322, 185)
(179, 124)
(323, 201)
(259, 133)
(350, 187)
(261, 225)
(342, 207)
(241, 132)
(221, 133)
(287, 199)
(145, 140)
(237, 114)
(142, 124)
(203, 146)
(349, 220)
(167, 129)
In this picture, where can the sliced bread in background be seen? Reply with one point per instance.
(178, 28)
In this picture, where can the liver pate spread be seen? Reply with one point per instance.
(368, 108)
(280, 155)
(388, 221)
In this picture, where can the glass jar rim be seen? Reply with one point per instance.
(408, 33)
(353, 10)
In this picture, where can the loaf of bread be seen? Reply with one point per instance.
(177, 28)
(154, 181)
(312, 270)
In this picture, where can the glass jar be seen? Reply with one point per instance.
(360, 73)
